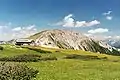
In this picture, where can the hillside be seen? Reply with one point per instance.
(70, 64)
(66, 39)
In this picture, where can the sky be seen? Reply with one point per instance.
(94, 18)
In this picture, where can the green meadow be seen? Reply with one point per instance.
(68, 65)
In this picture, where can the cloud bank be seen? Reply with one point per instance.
(98, 30)
(8, 33)
(69, 21)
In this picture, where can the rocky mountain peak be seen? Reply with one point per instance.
(69, 40)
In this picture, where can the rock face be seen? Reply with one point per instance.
(113, 42)
(69, 40)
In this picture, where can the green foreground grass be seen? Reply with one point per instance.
(69, 69)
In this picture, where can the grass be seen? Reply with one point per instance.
(77, 70)
(69, 69)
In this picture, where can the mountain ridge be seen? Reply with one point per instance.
(113, 42)
(66, 39)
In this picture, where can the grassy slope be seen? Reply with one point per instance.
(70, 69)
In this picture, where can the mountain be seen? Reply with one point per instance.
(11, 41)
(3, 42)
(113, 42)
(66, 39)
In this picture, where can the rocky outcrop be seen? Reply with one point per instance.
(69, 40)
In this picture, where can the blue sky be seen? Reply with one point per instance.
(16, 16)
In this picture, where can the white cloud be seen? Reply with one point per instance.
(67, 17)
(108, 37)
(30, 27)
(2, 27)
(112, 37)
(117, 37)
(98, 30)
(80, 23)
(86, 24)
(107, 13)
(24, 31)
(8, 33)
(69, 21)
(87, 34)
(109, 17)
(92, 23)
(17, 29)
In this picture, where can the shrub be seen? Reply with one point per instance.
(1, 48)
(27, 58)
(84, 57)
(48, 58)
(22, 58)
(57, 51)
(10, 71)
(38, 50)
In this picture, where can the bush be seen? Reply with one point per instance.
(22, 58)
(38, 50)
(48, 58)
(10, 71)
(57, 51)
(84, 57)
(1, 48)
(27, 58)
